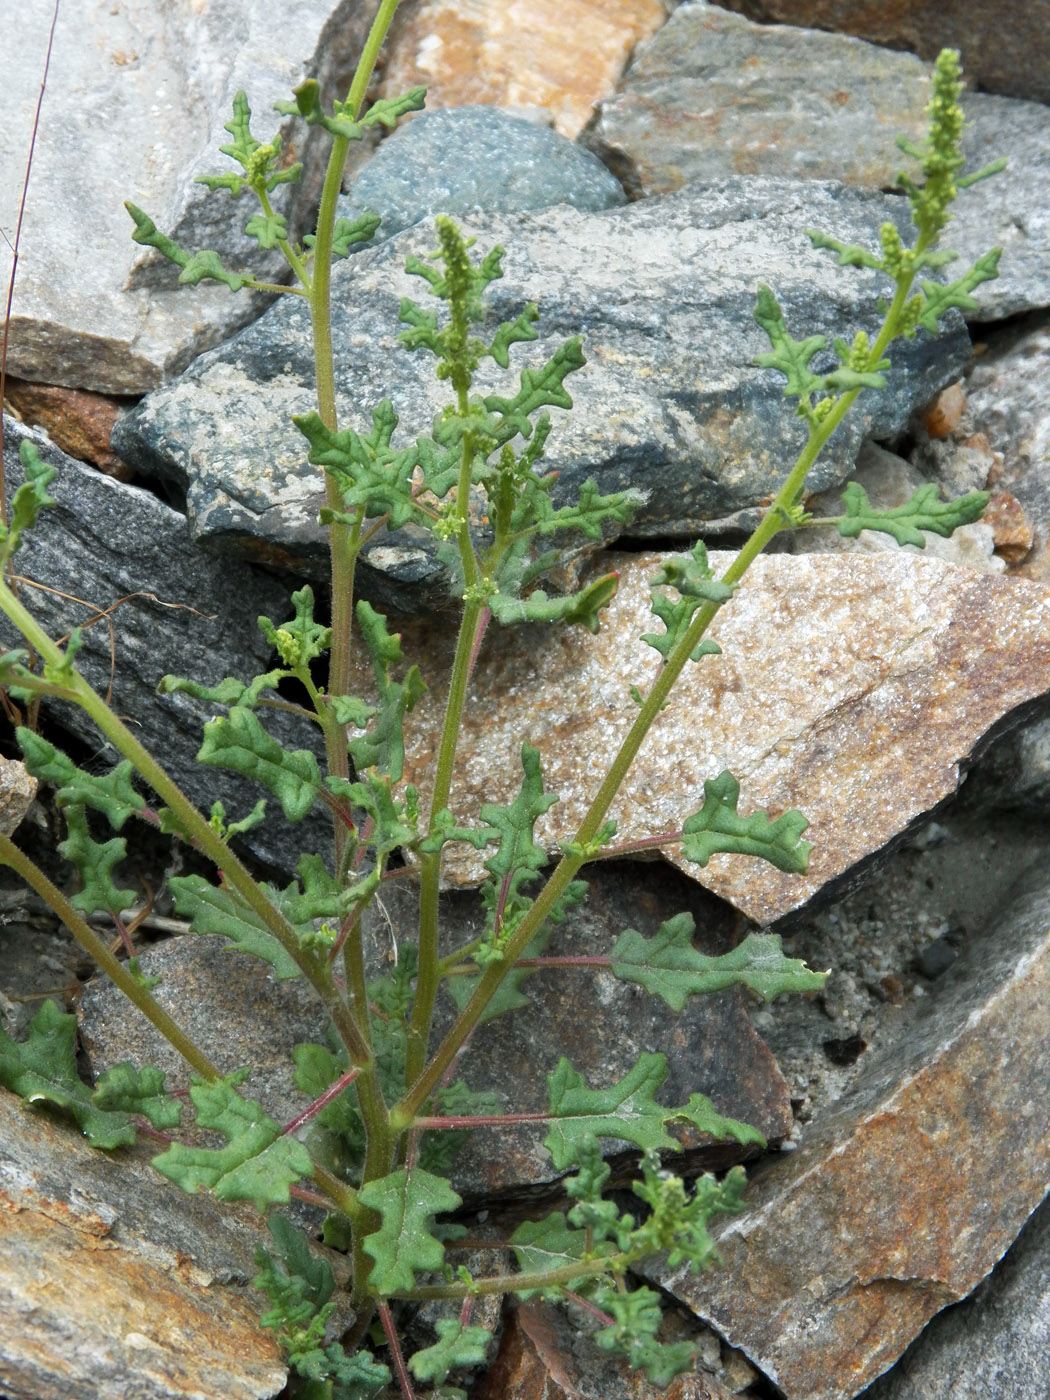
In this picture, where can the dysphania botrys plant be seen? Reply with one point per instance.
(377, 1143)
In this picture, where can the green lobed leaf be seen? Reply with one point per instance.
(939, 298)
(625, 1110)
(457, 1345)
(692, 578)
(346, 233)
(268, 230)
(593, 510)
(387, 110)
(542, 1245)
(239, 742)
(371, 475)
(668, 966)
(539, 388)
(195, 268)
(218, 910)
(207, 266)
(307, 105)
(95, 861)
(407, 1200)
(519, 856)
(923, 510)
(705, 1118)
(678, 1217)
(228, 692)
(582, 607)
(383, 745)
(125, 1089)
(301, 640)
(719, 827)
(788, 355)
(637, 1318)
(28, 501)
(43, 1069)
(258, 1164)
(849, 254)
(113, 794)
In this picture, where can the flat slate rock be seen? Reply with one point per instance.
(161, 605)
(670, 400)
(995, 1343)
(713, 95)
(907, 1192)
(854, 687)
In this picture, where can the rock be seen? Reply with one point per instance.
(1008, 210)
(1008, 403)
(712, 95)
(854, 687)
(17, 791)
(1016, 773)
(890, 481)
(994, 1343)
(558, 55)
(116, 553)
(1003, 42)
(218, 997)
(469, 158)
(97, 311)
(897, 1202)
(113, 1282)
(670, 400)
(215, 996)
(543, 1353)
(76, 421)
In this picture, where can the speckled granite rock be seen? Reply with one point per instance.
(855, 687)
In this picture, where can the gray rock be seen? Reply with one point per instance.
(712, 95)
(996, 1343)
(153, 88)
(460, 159)
(1010, 210)
(904, 1195)
(670, 400)
(189, 612)
(1008, 403)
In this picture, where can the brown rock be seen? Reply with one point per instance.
(712, 96)
(942, 416)
(110, 1277)
(908, 1191)
(562, 55)
(1003, 42)
(854, 688)
(1011, 527)
(77, 421)
(543, 1356)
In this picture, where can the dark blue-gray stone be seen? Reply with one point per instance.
(459, 159)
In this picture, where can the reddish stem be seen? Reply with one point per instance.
(332, 1092)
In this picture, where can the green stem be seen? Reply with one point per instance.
(344, 540)
(110, 965)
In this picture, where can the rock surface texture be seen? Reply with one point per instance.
(854, 687)
(897, 1203)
